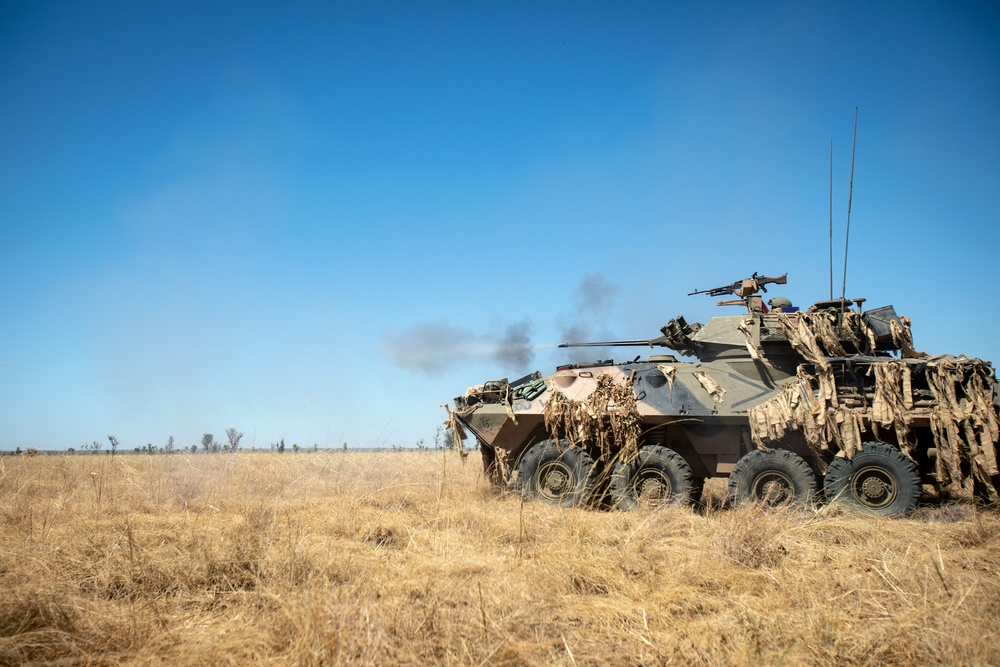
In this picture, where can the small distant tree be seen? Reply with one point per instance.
(444, 438)
(234, 438)
(420, 444)
(295, 448)
(96, 446)
(281, 446)
(169, 447)
(114, 444)
(208, 442)
(194, 449)
(71, 450)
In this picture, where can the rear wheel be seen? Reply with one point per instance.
(771, 477)
(658, 476)
(558, 475)
(879, 479)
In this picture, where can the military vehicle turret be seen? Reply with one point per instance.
(831, 401)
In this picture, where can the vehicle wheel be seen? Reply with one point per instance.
(880, 479)
(491, 468)
(771, 477)
(658, 476)
(559, 475)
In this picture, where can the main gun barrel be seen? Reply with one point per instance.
(611, 343)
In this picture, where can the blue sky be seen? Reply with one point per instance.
(319, 222)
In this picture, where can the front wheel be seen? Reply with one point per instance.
(771, 477)
(558, 475)
(658, 476)
(879, 479)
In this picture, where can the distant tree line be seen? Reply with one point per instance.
(443, 439)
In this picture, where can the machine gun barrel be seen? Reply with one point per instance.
(718, 291)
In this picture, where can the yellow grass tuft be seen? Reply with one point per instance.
(410, 558)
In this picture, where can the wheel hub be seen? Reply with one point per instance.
(873, 488)
(653, 489)
(773, 487)
(774, 492)
(556, 481)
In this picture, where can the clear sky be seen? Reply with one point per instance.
(321, 221)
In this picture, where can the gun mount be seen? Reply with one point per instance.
(747, 289)
(676, 336)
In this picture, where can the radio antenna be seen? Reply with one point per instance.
(831, 219)
(850, 194)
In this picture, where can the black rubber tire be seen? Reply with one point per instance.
(772, 477)
(658, 476)
(878, 479)
(556, 474)
(491, 467)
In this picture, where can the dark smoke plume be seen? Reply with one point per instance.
(592, 302)
(514, 349)
(432, 349)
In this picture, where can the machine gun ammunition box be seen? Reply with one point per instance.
(880, 319)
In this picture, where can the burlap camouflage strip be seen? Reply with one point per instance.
(716, 391)
(669, 372)
(819, 335)
(903, 338)
(809, 406)
(607, 419)
(964, 424)
(455, 426)
(893, 401)
(963, 419)
(753, 347)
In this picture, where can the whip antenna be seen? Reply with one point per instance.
(831, 219)
(850, 193)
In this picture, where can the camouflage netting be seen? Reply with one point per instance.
(814, 336)
(501, 465)
(964, 424)
(963, 419)
(819, 335)
(455, 426)
(607, 419)
(498, 391)
(903, 338)
(893, 401)
(811, 407)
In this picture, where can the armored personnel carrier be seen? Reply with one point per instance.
(831, 401)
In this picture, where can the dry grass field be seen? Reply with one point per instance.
(409, 558)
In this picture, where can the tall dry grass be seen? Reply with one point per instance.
(409, 558)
